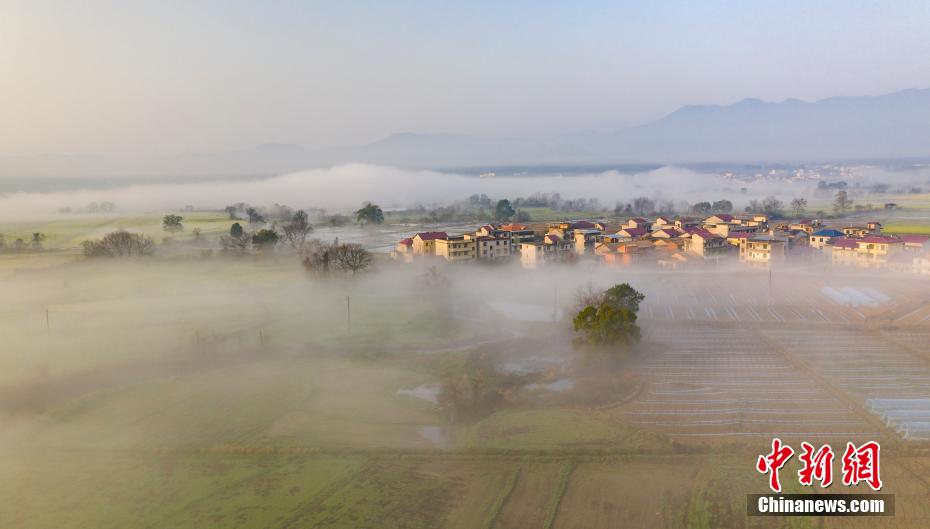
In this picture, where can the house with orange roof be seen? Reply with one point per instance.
(519, 233)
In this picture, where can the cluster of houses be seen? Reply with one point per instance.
(671, 243)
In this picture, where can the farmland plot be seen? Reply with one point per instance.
(727, 383)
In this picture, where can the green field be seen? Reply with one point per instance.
(72, 231)
(280, 490)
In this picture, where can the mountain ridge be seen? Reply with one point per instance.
(886, 126)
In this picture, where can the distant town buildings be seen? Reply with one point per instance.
(673, 243)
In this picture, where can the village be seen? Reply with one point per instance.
(670, 243)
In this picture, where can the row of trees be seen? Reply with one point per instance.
(368, 214)
(92, 208)
(325, 259)
(317, 257)
(774, 207)
(21, 245)
(643, 206)
(120, 243)
(243, 211)
(293, 233)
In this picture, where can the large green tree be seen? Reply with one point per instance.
(610, 319)
(606, 325)
(504, 210)
(370, 214)
(265, 239)
(623, 296)
(172, 223)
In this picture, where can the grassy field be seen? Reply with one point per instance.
(912, 228)
(103, 490)
(104, 314)
(543, 214)
(71, 231)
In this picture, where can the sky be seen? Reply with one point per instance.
(158, 78)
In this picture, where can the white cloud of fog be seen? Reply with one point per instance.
(347, 186)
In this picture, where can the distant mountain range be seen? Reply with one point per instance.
(895, 125)
(839, 128)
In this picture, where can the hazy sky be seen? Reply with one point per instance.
(143, 78)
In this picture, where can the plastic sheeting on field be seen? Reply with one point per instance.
(855, 297)
(909, 417)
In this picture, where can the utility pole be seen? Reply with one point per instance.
(48, 326)
(348, 314)
(555, 305)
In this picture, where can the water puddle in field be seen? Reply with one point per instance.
(427, 392)
(434, 435)
(562, 384)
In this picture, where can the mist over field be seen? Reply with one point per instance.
(345, 187)
(429, 390)
(464, 265)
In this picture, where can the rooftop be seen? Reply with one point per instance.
(915, 239)
(432, 235)
(828, 232)
(702, 233)
(765, 238)
(583, 224)
(847, 243)
(880, 239)
(671, 231)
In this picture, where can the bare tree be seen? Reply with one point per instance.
(295, 232)
(119, 244)
(587, 295)
(318, 257)
(842, 204)
(798, 205)
(352, 258)
(238, 242)
(451, 396)
(37, 239)
(771, 205)
(643, 205)
(255, 216)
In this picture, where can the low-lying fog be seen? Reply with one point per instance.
(345, 187)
